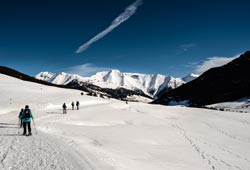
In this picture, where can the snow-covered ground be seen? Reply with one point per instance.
(112, 135)
(242, 106)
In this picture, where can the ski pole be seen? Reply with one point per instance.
(18, 126)
(34, 125)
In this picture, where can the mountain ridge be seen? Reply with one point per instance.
(220, 84)
(90, 89)
(150, 84)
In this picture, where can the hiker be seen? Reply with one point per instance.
(26, 119)
(64, 108)
(73, 105)
(20, 122)
(77, 105)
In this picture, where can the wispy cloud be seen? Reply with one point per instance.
(213, 62)
(129, 11)
(87, 69)
(186, 47)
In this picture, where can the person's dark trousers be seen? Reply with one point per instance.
(25, 124)
(64, 111)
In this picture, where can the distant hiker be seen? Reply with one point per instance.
(20, 122)
(77, 105)
(73, 105)
(26, 119)
(126, 102)
(64, 108)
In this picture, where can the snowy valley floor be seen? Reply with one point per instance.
(113, 135)
(39, 151)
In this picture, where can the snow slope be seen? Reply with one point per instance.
(113, 135)
(190, 77)
(60, 78)
(241, 105)
(149, 84)
(39, 151)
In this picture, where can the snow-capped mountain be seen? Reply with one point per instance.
(190, 77)
(60, 78)
(149, 84)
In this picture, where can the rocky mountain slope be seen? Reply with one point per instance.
(226, 83)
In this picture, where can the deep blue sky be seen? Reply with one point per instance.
(164, 36)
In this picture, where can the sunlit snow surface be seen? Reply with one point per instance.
(242, 106)
(112, 135)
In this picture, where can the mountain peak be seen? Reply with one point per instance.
(60, 78)
(46, 76)
(114, 71)
(63, 73)
(190, 77)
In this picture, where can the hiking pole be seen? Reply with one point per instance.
(18, 126)
(34, 125)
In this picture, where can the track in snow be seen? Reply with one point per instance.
(212, 161)
(37, 152)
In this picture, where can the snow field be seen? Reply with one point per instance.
(110, 134)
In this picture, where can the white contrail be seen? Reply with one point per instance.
(129, 11)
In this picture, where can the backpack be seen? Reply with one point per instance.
(27, 113)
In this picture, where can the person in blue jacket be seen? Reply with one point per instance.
(26, 119)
